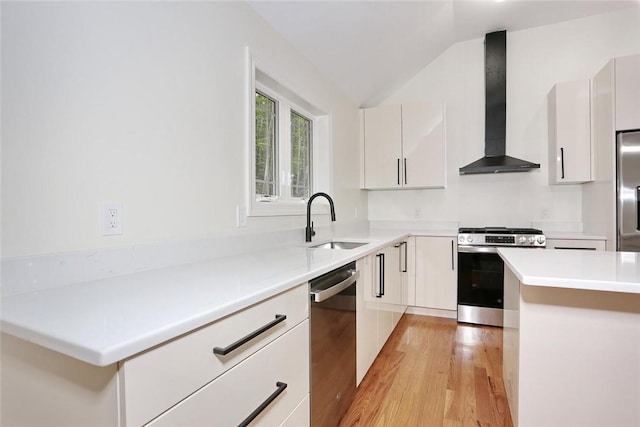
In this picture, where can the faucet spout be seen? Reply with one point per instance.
(309, 232)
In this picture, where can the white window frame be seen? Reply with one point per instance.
(284, 204)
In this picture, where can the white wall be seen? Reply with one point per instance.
(142, 103)
(536, 59)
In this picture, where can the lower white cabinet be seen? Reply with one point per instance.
(381, 293)
(436, 275)
(585, 244)
(181, 382)
(280, 371)
(366, 318)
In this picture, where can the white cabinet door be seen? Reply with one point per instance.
(392, 292)
(386, 271)
(366, 317)
(569, 115)
(382, 146)
(404, 146)
(628, 92)
(423, 146)
(436, 273)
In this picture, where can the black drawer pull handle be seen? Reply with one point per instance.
(263, 405)
(223, 351)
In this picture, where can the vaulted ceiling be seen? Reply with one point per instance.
(371, 48)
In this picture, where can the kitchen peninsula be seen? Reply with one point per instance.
(571, 337)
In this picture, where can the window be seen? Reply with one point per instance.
(265, 151)
(300, 155)
(288, 146)
(283, 148)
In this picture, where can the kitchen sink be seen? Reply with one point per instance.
(338, 245)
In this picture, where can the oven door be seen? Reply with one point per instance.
(480, 285)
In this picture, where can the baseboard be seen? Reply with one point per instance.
(423, 311)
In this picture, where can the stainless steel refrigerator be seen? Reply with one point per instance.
(628, 193)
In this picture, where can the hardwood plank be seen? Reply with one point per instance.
(434, 372)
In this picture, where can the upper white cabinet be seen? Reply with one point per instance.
(569, 132)
(436, 282)
(403, 146)
(615, 101)
(627, 75)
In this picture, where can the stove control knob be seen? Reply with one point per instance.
(541, 239)
(469, 239)
(522, 240)
(460, 239)
(532, 240)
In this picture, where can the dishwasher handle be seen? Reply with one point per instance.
(325, 294)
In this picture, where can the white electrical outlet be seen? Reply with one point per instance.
(111, 218)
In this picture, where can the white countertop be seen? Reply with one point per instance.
(107, 320)
(575, 269)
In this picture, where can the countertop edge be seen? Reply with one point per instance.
(108, 355)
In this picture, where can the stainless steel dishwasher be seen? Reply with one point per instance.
(333, 345)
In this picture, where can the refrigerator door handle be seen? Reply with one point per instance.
(638, 208)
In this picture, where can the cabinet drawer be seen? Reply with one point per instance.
(231, 398)
(157, 379)
(586, 244)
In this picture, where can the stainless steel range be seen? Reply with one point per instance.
(481, 270)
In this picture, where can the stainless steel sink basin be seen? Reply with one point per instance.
(338, 245)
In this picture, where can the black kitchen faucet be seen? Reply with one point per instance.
(309, 233)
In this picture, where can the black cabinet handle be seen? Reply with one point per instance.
(398, 168)
(263, 405)
(381, 273)
(382, 276)
(399, 245)
(223, 351)
(406, 253)
(574, 248)
(405, 171)
(452, 257)
(562, 161)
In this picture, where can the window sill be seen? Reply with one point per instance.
(287, 208)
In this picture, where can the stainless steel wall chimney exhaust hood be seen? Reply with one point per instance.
(495, 159)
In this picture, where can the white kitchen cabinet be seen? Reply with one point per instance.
(145, 378)
(615, 105)
(569, 128)
(143, 388)
(381, 301)
(41, 387)
(281, 368)
(627, 75)
(366, 317)
(382, 128)
(403, 146)
(436, 273)
(584, 244)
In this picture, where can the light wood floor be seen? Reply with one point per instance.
(434, 372)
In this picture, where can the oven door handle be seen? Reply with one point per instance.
(478, 249)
